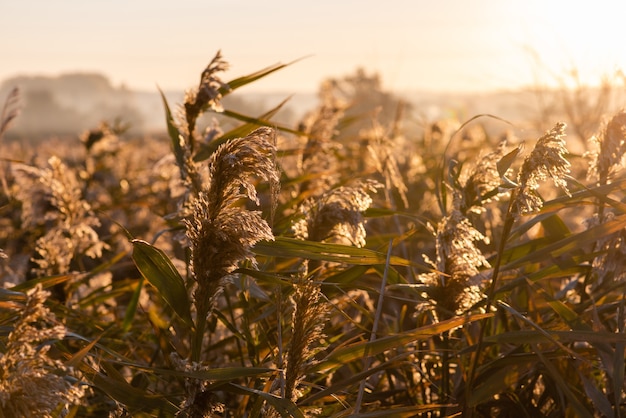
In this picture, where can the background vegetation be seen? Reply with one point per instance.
(351, 265)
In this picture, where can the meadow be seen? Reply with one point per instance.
(346, 266)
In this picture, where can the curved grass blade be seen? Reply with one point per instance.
(505, 162)
(173, 133)
(131, 309)
(259, 122)
(291, 247)
(205, 150)
(283, 406)
(250, 78)
(570, 243)
(530, 336)
(46, 282)
(362, 349)
(7, 295)
(155, 266)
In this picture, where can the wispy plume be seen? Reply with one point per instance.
(607, 158)
(319, 159)
(32, 383)
(308, 321)
(221, 231)
(206, 96)
(382, 152)
(482, 184)
(457, 283)
(606, 161)
(337, 215)
(52, 197)
(546, 160)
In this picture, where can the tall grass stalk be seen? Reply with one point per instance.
(367, 361)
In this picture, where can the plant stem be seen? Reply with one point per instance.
(202, 308)
(506, 230)
(379, 310)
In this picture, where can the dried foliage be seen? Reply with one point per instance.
(183, 281)
(32, 382)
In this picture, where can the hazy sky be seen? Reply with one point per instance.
(414, 44)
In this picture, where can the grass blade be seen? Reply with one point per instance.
(173, 133)
(291, 247)
(156, 267)
(362, 349)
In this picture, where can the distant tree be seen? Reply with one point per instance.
(71, 103)
(42, 114)
(366, 101)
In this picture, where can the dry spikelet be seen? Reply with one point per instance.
(610, 264)
(207, 95)
(32, 384)
(381, 150)
(53, 197)
(308, 320)
(482, 183)
(337, 215)
(547, 159)
(611, 146)
(222, 232)
(319, 155)
(457, 284)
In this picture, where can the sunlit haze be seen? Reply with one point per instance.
(448, 45)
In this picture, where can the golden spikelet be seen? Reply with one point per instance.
(456, 285)
(307, 322)
(206, 96)
(32, 383)
(337, 215)
(319, 160)
(482, 183)
(547, 159)
(611, 147)
(222, 232)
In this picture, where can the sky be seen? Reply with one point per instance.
(443, 45)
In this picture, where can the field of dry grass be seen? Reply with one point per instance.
(346, 266)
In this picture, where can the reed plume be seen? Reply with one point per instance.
(547, 159)
(220, 230)
(606, 161)
(207, 95)
(382, 152)
(52, 197)
(32, 383)
(482, 183)
(457, 283)
(610, 147)
(308, 320)
(319, 159)
(336, 216)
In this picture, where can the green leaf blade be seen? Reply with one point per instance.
(156, 267)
